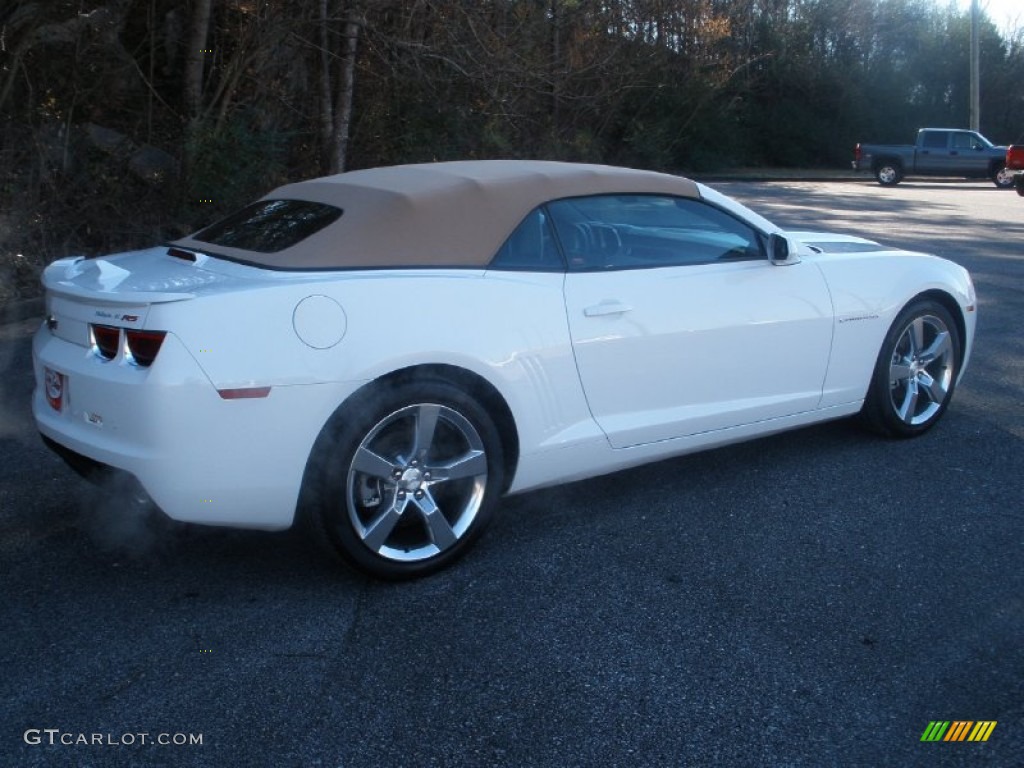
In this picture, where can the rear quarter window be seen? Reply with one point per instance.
(268, 226)
(935, 139)
(531, 247)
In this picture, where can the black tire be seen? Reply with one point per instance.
(915, 373)
(1018, 184)
(888, 174)
(1002, 176)
(407, 478)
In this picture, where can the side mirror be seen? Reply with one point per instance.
(781, 253)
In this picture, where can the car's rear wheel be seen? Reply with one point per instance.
(1018, 183)
(916, 371)
(888, 174)
(410, 478)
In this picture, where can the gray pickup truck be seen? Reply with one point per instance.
(938, 152)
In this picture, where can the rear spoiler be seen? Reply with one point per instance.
(64, 277)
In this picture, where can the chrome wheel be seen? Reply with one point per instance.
(888, 175)
(416, 482)
(1003, 178)
(921, 370)
(916, 371)
(405, 477)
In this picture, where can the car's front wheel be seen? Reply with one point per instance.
(409, 479)
(1003, 177)
(916, 371)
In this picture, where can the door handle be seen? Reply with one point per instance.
(607, 307)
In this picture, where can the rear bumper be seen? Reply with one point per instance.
(200, 458)
(116, 481)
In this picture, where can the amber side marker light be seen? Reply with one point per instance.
(243, 394)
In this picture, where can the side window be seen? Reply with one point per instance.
(969, 141)
(644, 231)
(531, 247)
(935, 139)
(963, 141)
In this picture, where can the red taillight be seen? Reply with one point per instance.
(856, 153)
(105, 339)
(142, 346)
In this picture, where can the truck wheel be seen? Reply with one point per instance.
(1018, 184)
(1003, 177)
(888, 174)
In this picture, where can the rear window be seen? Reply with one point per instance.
(268, 226)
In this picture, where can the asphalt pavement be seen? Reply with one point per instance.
(812, 599)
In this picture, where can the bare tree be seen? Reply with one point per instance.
(195, 57)
(346, 90)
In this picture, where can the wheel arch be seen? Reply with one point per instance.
(472, 383)
(482, 390)
(951, 305)
(881, 160)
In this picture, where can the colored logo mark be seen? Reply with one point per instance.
(958, 730)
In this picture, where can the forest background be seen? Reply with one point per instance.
(125, 123)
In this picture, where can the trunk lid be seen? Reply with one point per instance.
(120, 290)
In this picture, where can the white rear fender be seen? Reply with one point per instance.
(356, 327)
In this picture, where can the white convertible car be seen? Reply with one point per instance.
(385, 353)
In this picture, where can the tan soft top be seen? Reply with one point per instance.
(437, 214)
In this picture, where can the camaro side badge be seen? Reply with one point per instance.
(858, 317)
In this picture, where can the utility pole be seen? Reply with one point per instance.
(975, 67)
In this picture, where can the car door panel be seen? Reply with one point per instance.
(967, 157)
(933, 156)
(689, 349)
